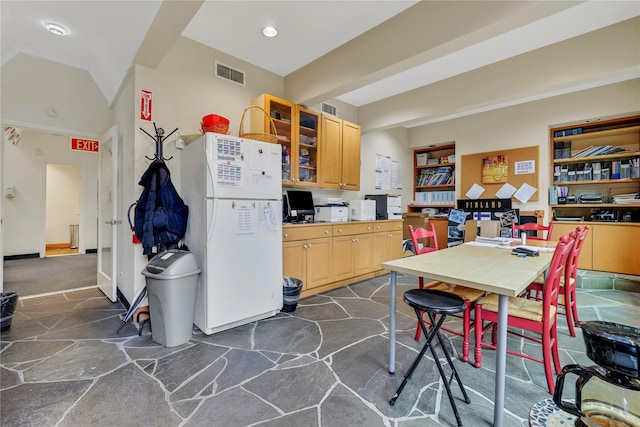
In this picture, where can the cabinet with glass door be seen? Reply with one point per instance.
(298, 133)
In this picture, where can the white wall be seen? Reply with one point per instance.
(30, 85)
(527, 125)
(184, 89)
(130, 261)
(25, 168)
(64, 185)
(394, 144)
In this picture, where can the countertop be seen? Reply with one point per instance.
(320, 224)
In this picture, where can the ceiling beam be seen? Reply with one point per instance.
(424, 32)
(169, 23)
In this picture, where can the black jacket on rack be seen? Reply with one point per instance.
(160, 213)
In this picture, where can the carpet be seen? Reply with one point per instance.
(50, 274)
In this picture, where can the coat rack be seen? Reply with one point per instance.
(159, 141)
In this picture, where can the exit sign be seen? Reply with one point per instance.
(79, 144)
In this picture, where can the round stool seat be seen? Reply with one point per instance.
(434, 301)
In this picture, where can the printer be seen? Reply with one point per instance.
(333, 212)
(362, 210)
(387, 206)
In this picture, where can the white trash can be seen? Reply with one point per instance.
(172, 281)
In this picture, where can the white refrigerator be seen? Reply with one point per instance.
(233, 188)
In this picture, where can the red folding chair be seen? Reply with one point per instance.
(470, 296)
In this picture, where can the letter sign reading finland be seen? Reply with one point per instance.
(145, 105)
(79, 144)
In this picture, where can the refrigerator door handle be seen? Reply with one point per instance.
(212, 175)
(212, 222)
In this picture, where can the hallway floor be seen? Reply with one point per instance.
(325, 364)
(61, 251)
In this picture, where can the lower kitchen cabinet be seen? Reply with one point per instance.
(608, 247)
(586, 255)
(351, 250)
(615, 248)
(387, 242)
(308, 257)
(327, 256)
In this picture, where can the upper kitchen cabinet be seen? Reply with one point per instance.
(339, 154)
(298, 133)
(306, 149)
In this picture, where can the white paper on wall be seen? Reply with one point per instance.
(524, 193)
(475, 192)
(506, 191)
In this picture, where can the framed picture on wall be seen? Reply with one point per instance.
(495, 169)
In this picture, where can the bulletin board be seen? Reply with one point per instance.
(473, 164)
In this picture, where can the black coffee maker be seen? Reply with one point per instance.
(607, 394)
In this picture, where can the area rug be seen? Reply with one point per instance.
(37, 276)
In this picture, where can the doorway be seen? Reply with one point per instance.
(62, 209)
(55, 187)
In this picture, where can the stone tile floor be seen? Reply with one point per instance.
(325, 364)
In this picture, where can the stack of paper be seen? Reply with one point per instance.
(626, 198)
(495, 240)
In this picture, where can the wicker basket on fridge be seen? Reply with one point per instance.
(258, 136)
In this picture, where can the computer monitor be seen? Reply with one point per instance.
(300, 204)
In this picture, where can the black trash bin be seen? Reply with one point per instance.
(291, 289)
(8, 302)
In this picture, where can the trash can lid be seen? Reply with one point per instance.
(173, 262)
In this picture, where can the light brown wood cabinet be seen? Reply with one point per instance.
(327, 256)
(307, 255)
(318, 150)
(586, 255)
(433, 175)
(595, 161)
(608, 247)
(352, 246)
(339, 154)
(299, 134)
(387, 242)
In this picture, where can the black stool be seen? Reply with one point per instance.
(434, 302)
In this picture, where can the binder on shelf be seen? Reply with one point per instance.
(596, 171)
(635, 168)
(553, 195)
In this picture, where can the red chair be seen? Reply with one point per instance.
(470, 296)
(567, 282)
(529, 315)
(532, 226)
(424, 240)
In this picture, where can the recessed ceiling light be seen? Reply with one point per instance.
(56, 29)
(269, 31)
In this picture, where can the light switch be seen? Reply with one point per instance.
(10, 192)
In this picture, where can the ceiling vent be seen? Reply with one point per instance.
(225, 72)
(329, 109)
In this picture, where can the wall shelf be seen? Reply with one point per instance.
(426, 162)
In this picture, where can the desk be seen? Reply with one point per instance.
(479, 267)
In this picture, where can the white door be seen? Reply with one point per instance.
(1, 215)
(108, 212)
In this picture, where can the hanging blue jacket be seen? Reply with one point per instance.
(160, 214)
